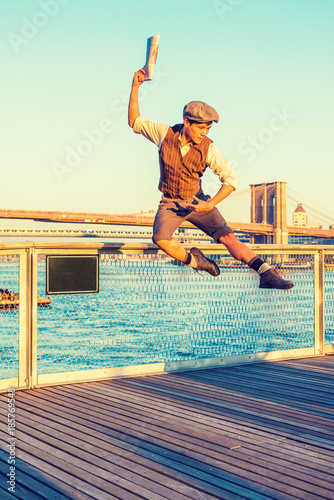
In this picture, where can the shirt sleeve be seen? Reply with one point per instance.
(222, 167)
(154, 132)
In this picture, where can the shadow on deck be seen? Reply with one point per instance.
(258, 431)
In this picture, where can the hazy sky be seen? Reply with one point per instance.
(67, 67)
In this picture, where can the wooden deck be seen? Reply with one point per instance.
(259, 431)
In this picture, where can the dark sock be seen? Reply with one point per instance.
(187, 259)
(258, 265)
(255, 263)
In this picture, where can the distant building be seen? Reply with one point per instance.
(300, 218)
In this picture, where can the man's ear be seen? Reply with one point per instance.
(186, 122)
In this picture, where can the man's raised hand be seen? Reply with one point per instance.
(139, 77)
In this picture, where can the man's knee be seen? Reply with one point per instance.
(163, 243)
(157, 236)
(228, 239)
(157, 239)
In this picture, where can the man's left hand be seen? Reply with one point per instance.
(201, 205)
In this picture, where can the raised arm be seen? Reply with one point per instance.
(133, 111)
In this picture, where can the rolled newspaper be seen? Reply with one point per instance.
(151, 56)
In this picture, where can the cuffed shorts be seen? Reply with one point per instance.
(172, 212)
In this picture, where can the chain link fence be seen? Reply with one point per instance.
(151, 309)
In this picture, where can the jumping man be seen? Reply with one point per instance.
(185, 152)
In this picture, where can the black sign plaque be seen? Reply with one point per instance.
(72, 274)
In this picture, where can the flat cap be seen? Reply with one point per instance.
(201, 112)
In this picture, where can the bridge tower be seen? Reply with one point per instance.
(268, 206)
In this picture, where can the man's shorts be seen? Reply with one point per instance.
(171, 213)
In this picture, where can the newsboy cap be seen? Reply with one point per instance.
(201, 112)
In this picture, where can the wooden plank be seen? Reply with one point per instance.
(320, 381)
(42, 412)
(32, 484)
(140, 392)
(324, 472)
(170, 436)
(70, 476)
(221, 493)
(222, 486)
(199, 386)
(24, 489)
(210, 421)
(215, 385)
(280, 436)
(272, 419)
(110, 455)
(77, 386)
(218, 481)
(70, 457)
(280, 402)
(227, 464)
(280, 466)
(197, 424)
(5, 495)
(264, 377)
(322, 362)
(122, 453)
(302, 391)
(139, 403)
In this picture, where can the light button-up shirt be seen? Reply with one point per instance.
(156, 132)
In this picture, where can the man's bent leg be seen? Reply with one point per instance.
(269, 278)
(237, 249)
(173, 248)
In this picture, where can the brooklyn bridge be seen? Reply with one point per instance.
(268, 220)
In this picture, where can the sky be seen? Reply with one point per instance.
(266, 66)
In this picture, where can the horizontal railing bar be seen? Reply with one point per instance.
(309, 249)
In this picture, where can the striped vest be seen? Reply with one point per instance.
(180, 176)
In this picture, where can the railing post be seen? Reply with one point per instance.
(319, 336)
(33, 317)
(24, 319)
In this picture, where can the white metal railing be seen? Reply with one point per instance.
(153, 315)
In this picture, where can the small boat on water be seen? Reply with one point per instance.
(10, 300)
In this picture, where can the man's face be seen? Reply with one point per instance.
(196, 131)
